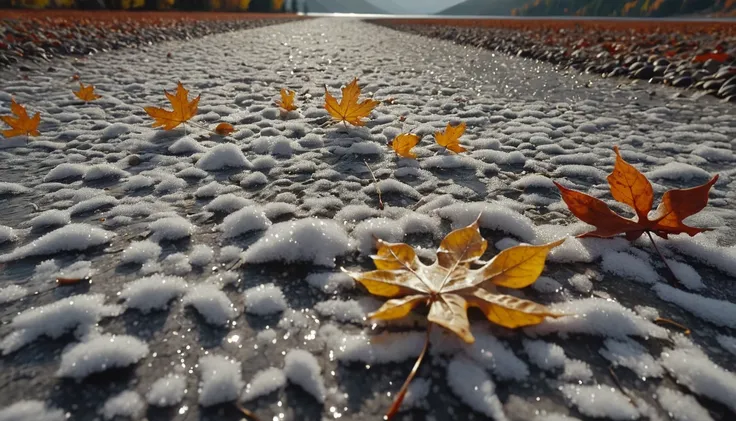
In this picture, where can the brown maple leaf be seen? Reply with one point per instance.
(631, 187)
(183, 109)
(450, 137)
(224, 129)
(450, 286)
(403, 144)
(21, 124)
(86, 93)
(349, 109)
(287, 100)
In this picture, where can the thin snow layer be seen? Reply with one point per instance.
(596, 316)
(50, 218)
(201, 255)
(362, 347)
(330, 282)
(53, 320)
(343, 311)
(492, 216)
(223, 156)
(7, 234)
(416, 394)
(211, 303)
(12, 188)
(470, 383)
(74, 237)
(600, 401)
(171, 228)
(264, 382)
(12, 293)
(728, 343)
(264, 299)
(221, 380)
(153, 292)
(101, 353)
(307, 240)
(686, 275)
(681, 407)
(545, 355)
(692, 369)
(494, 355)
(243, 221)
(629, 267)
(633, 356)
(31, 411)
(718, 312)
(125, 404)
(302, 369)
(139, 252)
(167, 391)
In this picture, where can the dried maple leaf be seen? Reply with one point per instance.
(224, 129)
(403, 143)
(349, 110)
(183, 109)
(450, 286)
(22, 124)
(287, 100)
(631, 187)
(86, 93)
(449, 139)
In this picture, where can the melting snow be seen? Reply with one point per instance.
(221, 380)
(99, 354)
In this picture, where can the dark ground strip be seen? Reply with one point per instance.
(695, 55)
(42, 35)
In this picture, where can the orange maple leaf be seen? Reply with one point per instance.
(182, 111)
(631, 187)
(86, 93)
(403, 144)
(224, 129)
(349, 110)
(449, 138)
(22, 124)
(287, 100)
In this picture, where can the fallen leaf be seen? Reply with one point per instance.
(349, 109)
(224, 129)
(22, 124)
(449, 139)
(182, 111)
(450, 286)
(69, 281)
(403, 143)
(287, 100)
(631, 187)
(86, 93)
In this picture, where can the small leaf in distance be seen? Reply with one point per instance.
(182, 109)
(224, 129)
(86, 93)
(287, 100)
(349, 109)
(450, 137)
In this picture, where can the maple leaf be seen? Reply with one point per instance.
(287, 100)
(86, 93)
(349, 110)
(403, 143)
(182, 111)
(22, 124)
(224, 129)
(450, 286)
(449, 139)
(631, 187)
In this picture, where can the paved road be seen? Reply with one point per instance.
(524, 118)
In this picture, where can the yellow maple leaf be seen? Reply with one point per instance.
(86, 93)
(183, 109)
(403, 143)
(449, 138)
(450, 286)
(22, 124)
(349, 110)
(287, 100)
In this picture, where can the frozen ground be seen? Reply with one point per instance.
(211, 283)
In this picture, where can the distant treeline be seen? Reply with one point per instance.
(624, 7)
(198, 5)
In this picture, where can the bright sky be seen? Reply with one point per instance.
(415, 6)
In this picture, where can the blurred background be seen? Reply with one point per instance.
(611, 8)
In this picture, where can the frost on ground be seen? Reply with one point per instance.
(31, 411)
(233, 245)
(126, 404)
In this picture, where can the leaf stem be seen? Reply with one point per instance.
(248, 413)
(674, 281)
(375, 183)
(402, 392)
(662, 320)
